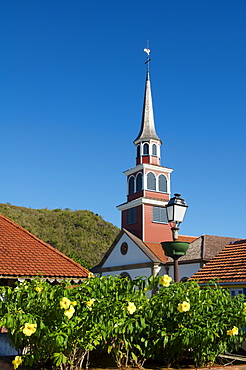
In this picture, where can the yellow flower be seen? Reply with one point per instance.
(165, 280)
(65, 303)
(69, 313)
(233, 331)
(90, 302)
(29, 329)
(183, 307)
(74, 303)
(131, 308)
(90, 275)
(38, 289)
(17, 361)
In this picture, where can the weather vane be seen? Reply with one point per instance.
(147, 51)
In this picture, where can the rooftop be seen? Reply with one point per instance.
(228, 265)
(23, 255)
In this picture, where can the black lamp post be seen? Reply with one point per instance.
(176, 209)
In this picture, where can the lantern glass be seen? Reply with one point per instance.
(176, 209)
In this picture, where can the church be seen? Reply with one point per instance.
(137, 250)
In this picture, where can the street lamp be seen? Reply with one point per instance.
(176, 209)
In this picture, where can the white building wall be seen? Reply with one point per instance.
(134, 254)
(185, 270)
(133, 273)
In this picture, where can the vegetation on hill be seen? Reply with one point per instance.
(81, 235)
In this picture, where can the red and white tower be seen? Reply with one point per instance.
(148, 183)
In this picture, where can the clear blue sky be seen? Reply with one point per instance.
(72, 83)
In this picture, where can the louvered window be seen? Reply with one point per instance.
(131, 185)
(146, 149)
(139, 185)
(131, 215)
(151, 181)
(160, 215)
(162, 184)
(154, 149)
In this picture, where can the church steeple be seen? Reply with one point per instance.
(147, 131)
(148, 183)
(147, 142)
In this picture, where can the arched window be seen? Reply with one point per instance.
(125, 275)
(162, 183)
(184, 279)
(138, 150)
(146, 149)
(154, 149)
(131, 185)
(151, 181)
(139, 182)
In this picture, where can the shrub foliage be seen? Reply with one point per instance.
(61, 324)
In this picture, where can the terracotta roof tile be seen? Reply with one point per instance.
(187, 238)
(23, 254)
(156, 248)
(228, 265)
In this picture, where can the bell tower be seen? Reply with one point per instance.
(148, 183)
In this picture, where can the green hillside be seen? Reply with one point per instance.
(82, 235)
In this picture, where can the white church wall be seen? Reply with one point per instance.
(133, 255)
(132, 272)
(185, 270)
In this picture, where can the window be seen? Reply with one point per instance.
(131, 215)
(125, 275)
(139, 185)
(138, 151)
(146, 149)
(162, 183)
(131, 185)
(235, 292)
(151, 181)
(124, 248)
(154, 149)
(159, 215)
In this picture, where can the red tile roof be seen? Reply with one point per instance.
(186, 238)
(24, 255)
(228, 266)
(156, 248)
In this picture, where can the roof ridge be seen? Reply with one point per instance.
(42, 242)
(219, 236)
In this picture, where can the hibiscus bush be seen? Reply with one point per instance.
(60, 324)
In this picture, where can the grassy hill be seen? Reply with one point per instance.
(82, 235)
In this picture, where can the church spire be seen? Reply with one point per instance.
(147, 142)
(147, 131)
